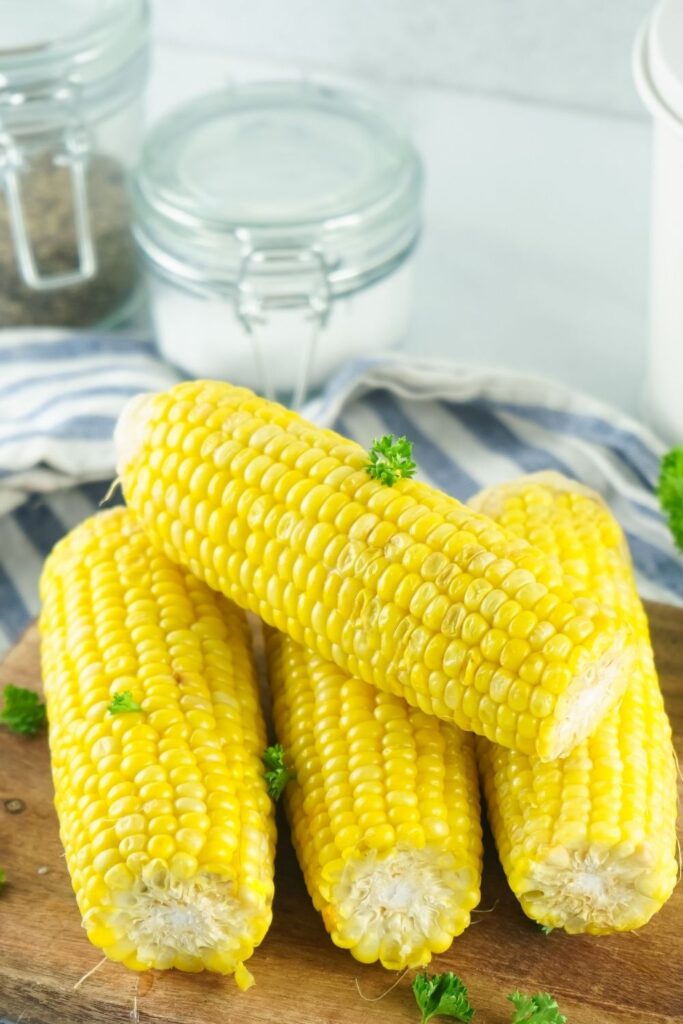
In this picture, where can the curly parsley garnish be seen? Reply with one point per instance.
(123, 702)
(277, 773)
(23, 712)
(670, 492)
(538, 1009)
(442, 995)
(391, 460)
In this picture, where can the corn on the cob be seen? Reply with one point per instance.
(384, 810)
(588, 843)
(163, 812)
(400, 586)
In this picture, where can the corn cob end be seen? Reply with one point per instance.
(598, 685)
(164, 920)
(400, 906)
(588, 699)
(596, 888)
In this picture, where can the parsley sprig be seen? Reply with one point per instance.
(123, 702)
(3, 877)
(23, 712)
(391, 460)
(538, 1009)
(670, 492)
(445, 995)
(277, 773)
(442, 995)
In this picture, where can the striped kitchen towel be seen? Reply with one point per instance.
(470, 428)
(60, 395)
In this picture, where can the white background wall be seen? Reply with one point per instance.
(534, 254)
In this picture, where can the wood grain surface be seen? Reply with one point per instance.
(301, 977)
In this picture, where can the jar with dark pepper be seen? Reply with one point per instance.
(72, 77)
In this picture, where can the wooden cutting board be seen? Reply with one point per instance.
(300, 976)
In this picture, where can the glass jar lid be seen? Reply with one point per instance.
(274, 175)
(61, 52)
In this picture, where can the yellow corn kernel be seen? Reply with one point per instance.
(320, 550)
(588, 843)
(384, 810)
(134, 783)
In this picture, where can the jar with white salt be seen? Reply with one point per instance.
(278, 224)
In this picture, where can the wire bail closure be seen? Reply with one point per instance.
(73, 155)
(283, 279)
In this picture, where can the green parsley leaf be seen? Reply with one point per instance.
(670, 492)
(3, 877)
(391, 460)
(442, 995)
(538, 1009)
(123, 702)
(546, 928)
(23, 711)
(277, 773)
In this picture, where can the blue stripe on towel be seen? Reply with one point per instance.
(648, 512)
(630, 449)
(655, 564)
(118, 391)
(15, 614)
(39, 523)
(70, 378)
(86, 428)
(74, 347)
(494, 434)
(98, 490)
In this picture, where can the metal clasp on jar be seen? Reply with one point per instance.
(272, 279)
(71, 152)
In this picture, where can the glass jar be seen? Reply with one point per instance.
(72, 73)
(278, 223)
